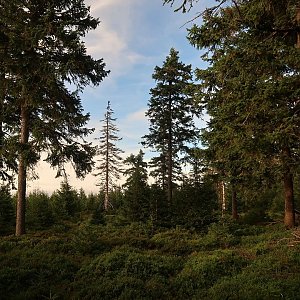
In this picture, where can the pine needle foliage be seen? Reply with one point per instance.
(171, 115)
(41, 51)
(251, 91)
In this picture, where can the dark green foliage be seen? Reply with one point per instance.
(65, 202)
(160, 211)
(98, 215)
(136, 196)
(43, 51)
(195, 206)
(7, 211)
(92, 262)
(250, 89)
(134, 262)
(200, 272)
(270, 277)
(171, 114)
(126, 271)
(92, 202)
(39, 211)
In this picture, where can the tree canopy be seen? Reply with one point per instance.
(251, 90)
(171, 116)
(42, 52)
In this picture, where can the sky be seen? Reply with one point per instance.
(133, 37)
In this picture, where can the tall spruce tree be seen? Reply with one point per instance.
(171, 115)
(110, 161)
(43, 51)
(252, 89)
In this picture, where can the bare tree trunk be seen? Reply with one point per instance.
(298, 32)
(289, 209)
(170, 154)
(106, 192)
(222, 198)
(2, 98)
(235, 214)
(170, 177)
(21, 194)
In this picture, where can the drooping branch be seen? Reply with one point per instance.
(185, 6)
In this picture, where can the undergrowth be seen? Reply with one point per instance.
(86, 261)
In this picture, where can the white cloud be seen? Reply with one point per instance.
(134, 126)
(137, 116)
(111, 40)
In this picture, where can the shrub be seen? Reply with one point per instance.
(220, 235)
(273, 275)
(175, 241)
(203, 270)
(125, 272)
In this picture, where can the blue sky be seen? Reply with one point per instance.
(133, 37)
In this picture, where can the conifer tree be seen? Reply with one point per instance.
(137, 206)
(252, 90)
(110, 162)
(170, 114)
(44, 51)
(7, 211)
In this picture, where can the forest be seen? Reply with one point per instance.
(228, 228)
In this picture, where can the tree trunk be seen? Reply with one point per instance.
(235, 214)
(21, 194)
(298, 31)
(289, 209)
(106, 195)
(170, 175)
(2, 97)
(169, 154)
(222, 197)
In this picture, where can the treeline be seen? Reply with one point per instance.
(148, 206)
(194, 207)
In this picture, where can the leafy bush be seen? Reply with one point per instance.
(176, 241)
(84, 261)
(220, 235)
(271, 276)
(203, 270)
(125, 272)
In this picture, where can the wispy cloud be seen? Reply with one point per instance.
(134, 126)
(137, 116)
(111, 40)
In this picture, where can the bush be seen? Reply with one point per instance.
(125, 272)
(272, 276)
(176, 241)
(220, 235)
(203, 270)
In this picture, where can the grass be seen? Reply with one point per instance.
(84, 261)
